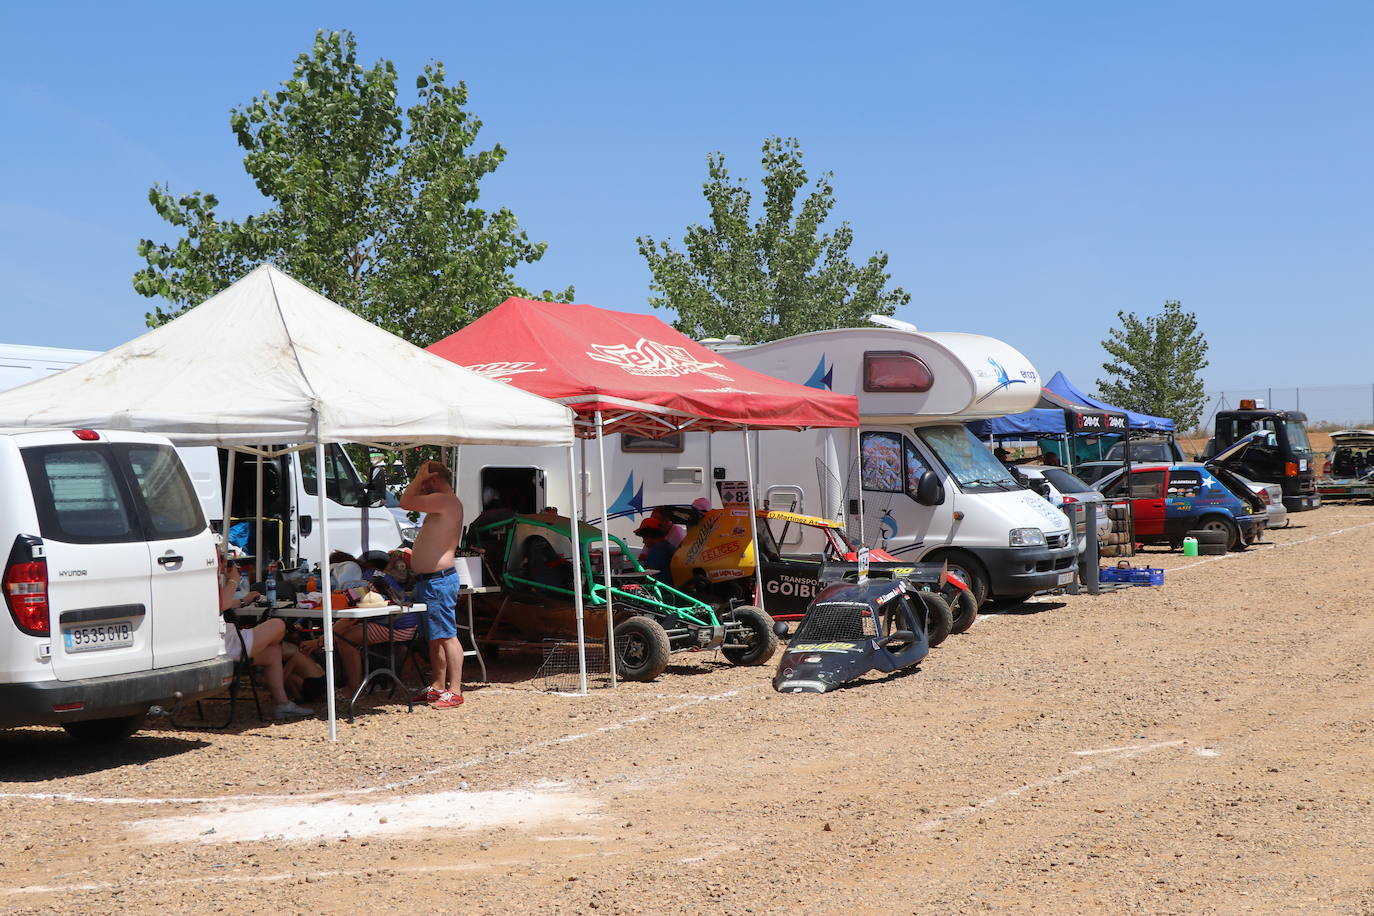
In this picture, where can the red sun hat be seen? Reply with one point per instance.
(652, 525)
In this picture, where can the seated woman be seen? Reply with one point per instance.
(262, 644)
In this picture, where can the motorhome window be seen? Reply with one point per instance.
(894, 370)
(967, 459)
(168, 497)
(882, 462)
(78, 496)
(671, 443)
(915, 466)
(341, 480)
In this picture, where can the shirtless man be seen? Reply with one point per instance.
(436, 581)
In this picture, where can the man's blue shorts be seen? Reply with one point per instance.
(438, 592)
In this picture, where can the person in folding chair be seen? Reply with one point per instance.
(261, 644)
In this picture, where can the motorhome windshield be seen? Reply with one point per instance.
(967, 460)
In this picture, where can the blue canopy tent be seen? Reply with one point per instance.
(1055, 417)
(1066, 389)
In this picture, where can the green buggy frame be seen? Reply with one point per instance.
(530, 558)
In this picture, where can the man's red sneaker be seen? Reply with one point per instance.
(448, 700)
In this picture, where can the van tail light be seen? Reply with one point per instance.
(26, 586)
(1290, 469)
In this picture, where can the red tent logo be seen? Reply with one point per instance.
(648, 357)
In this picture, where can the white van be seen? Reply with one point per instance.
(110, 583)
(358, 519)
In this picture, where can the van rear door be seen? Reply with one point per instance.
(180, 552)
(98, 584)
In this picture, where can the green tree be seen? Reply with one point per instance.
(770, 278)
(1156, 365)
(373, 206)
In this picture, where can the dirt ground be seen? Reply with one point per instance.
(1202, 747)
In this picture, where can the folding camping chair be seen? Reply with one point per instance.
(244, 671)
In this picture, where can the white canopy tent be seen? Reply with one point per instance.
(269, 365)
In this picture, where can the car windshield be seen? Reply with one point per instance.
(1297, 438)
(1065, 482)
(1141, 451)
(967, 459)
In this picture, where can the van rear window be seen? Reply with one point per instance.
(77, 493)
(168, 497)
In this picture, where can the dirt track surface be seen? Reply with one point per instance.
(1203, 747)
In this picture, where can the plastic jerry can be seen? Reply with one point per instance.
(1190, 547)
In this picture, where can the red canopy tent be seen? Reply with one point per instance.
(644, 377)
(624, 373)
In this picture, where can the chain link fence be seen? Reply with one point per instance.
(1335, 406)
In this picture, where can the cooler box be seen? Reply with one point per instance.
(469, 571)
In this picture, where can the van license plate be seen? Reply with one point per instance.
(103, 636)
(1066, 577)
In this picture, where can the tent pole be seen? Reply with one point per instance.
(579, 493)
(753, 522)
(575, 530)
(257, 537)
(228, 498)
(606, 548)
(859, 456)
(327, 590)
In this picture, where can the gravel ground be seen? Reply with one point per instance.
(1201, 747)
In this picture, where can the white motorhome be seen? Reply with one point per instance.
(358, 521)
(930, 490)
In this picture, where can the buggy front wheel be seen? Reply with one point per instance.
(641, 648)
(755, 642)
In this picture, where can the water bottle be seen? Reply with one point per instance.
(271, 585)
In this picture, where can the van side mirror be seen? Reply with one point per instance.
(307, 525)
(376, 486)
(780, 629)
(929, 490)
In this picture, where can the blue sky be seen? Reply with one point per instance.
(1030, 169)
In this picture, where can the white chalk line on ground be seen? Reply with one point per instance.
(389, 786)
(1115, 754)
(1306, 540)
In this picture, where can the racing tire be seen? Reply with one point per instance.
(758, 633)
(104, 731)
(939, 618)
(1228, 531)
(964, 610)
(969, 570)
(642, 648)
